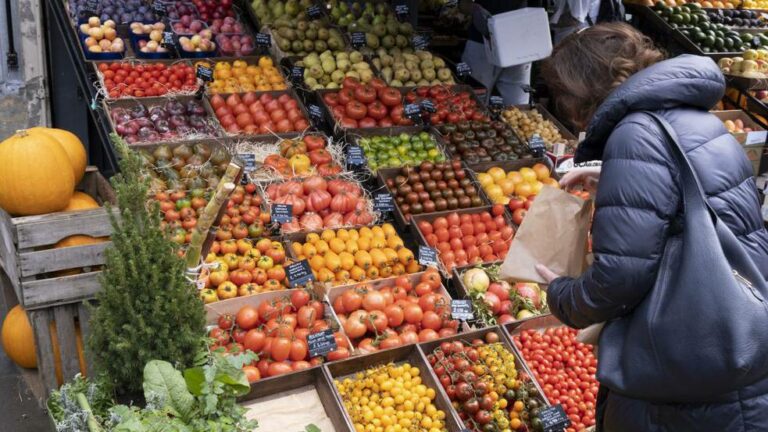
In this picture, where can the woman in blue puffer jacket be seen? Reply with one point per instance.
(603, 79)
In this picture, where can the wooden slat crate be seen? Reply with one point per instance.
(54, 302)
(29, 261)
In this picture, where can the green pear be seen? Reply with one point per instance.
(402, 74)
(329, 65)
(422, 82)
(415, 74)
(444, 74)
(386, 73)
(343, 65)
(311, 60)
(377, 63)
(366, 75)
(297, 46)
(427, 64)
(388, 41)
(283, 44)
(352, 74)
(316, 71)
(439, 63)
(308, 45)
(396, 83)
(372, 40)
(405, 29)
(429, 74)
(332, 85)
(423, 55)
(309, 81)
(323, 34)
(355, 57)
(320, 45)
(324, 80)
(335, 43)
(337, 76)
(310, 34)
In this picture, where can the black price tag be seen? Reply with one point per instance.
(382, 202)
(168, 41)
(427, 256)
(402, 12)
(357, 39)
(428, 106)
(462, 310)
(355, 156)
(463, 69)
(160, 9)
(321, 343)
(90, 8)
(204, 73)
(496, 102)
(553, 418)
(263, 40)
(420, 41)
(282, 213)
(314, 12)
(413, 112)
(299, 273)
(249, 159)
(315, 112)
(297, 74)
(536, 145)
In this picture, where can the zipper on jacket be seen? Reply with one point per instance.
(744, 281)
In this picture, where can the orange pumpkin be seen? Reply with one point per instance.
(18, 338)
(77, 240)
(72, 145)
(81, 201)
(36, 175)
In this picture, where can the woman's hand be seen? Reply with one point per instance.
(587, 176)
(546, 273)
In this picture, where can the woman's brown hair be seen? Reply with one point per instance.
(586, 66)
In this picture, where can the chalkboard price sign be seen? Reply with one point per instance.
(282, 213)
(357, 39)
(263, 40)
(321, 343)
(554, 419)
(299, 273)
(462, 310)
(427, 256)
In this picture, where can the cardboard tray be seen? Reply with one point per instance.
(429, 217)
(268, 137)
(409, 353)
(335, 292)
(539, 323)
(108, 106)
(354, 136)
(507, 166)
(316, 377)
(523, 372)
(251, 60)
(390, 173)
(755, 138)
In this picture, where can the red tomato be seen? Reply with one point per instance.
(247, 317)
(355, 110)
(279, 368)
(280, 349)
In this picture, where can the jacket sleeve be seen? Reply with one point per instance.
(637, 197)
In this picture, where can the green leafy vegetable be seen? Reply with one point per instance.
(162, 381)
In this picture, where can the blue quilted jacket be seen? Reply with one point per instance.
(637, 196)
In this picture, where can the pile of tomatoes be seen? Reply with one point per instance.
(451, 106)
(123, 79)
(259, 114)
(565, 369)
(396, 315)
(277, 331)
(244, 267)
(243, 218)
(369, 105)
(469, 238)
(317, 203)
(484, 386)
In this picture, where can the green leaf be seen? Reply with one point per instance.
(195, 379)
(162, 379)
(312, 428)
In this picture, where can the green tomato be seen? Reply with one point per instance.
(424, 136)
(404, 137)
(433, 153)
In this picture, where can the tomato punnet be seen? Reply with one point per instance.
(277, 331)
(566, 370)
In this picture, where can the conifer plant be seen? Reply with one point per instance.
(147, 308)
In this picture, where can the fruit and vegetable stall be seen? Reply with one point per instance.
(308, 223)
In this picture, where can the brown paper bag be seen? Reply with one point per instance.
(553, 233)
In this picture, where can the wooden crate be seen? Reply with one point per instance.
(409, 353)
(54, 303)
(29, 261)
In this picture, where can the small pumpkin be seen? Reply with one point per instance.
(77, 240)
(36, 175)
(81, 201)
(18, 338)
(72, 145)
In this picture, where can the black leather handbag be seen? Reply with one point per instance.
(658, 352)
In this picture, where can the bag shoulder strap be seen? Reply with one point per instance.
(693, 193)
